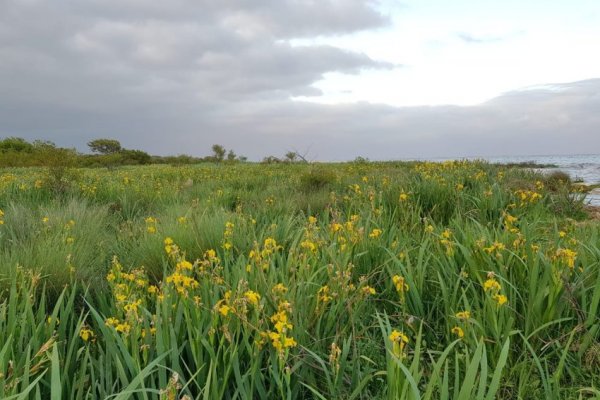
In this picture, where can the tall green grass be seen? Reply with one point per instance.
(458, 280)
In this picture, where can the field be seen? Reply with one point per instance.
(455, 280)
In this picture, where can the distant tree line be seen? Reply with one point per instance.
(18, 152)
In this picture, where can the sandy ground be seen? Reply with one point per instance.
(593, 212)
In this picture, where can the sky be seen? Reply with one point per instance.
(331, 79)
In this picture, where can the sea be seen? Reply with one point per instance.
(583, 168)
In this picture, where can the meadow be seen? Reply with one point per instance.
(454, 280)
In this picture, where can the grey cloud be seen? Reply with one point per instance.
(563, 120)
(178, 76)
(113, 51)
(281, 18)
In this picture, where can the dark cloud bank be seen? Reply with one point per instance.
(177, 76)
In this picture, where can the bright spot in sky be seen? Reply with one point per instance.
(465, 52)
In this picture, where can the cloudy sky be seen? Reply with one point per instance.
(334, 79)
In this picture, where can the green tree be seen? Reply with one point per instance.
(105, 146)
(15, 144)
(291, 156)
(135, 157)
(218, 152)
(231, 156)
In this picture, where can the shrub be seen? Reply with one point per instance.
(316, 179)
(557, 179)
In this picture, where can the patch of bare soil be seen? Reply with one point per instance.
(593, 212)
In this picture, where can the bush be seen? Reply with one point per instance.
(557, 179)
(134, 157)
(316, 179)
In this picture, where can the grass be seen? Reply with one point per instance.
(455, 280)
(528, 164)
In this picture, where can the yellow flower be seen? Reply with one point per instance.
(375, 233)
(224, 310)
(270, 244)
(210, 254)
(539, 185)
(397, 336)
(336, 227)
(170, 247)
(491, 284)
(252, 297)
(280, 320)
(289, 342)
(184, 265)
(500, 299)
(279, 289)
(457, 330)
(151, 225)
(132, 307)
(312, 220)
(568, 256)
(463, 315)
(86, 334)
(323, 294)
(495, 247)
(368, 290)
(399, 341)
(400, 284)
(182, 220)
(123, 327)
(403, 196)
(309, 245)
(276, 340)
(129, 277)
(279, 338)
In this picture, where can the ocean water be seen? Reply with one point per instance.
(585, 168)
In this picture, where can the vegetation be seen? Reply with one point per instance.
(17, 152)
(529, 164)
(455, 280)
(105, 146)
